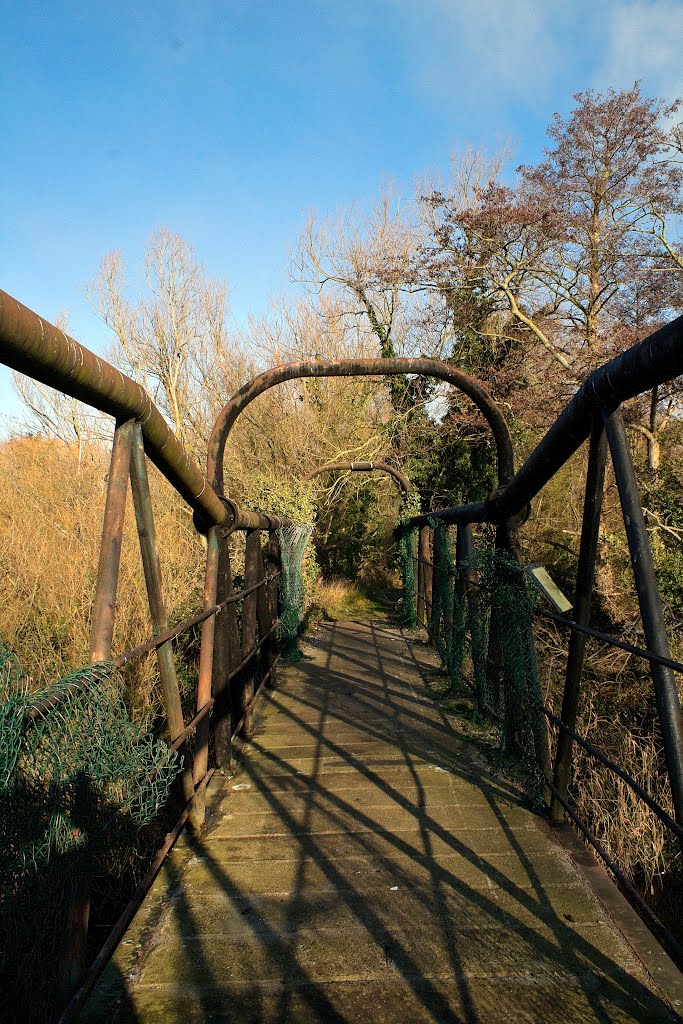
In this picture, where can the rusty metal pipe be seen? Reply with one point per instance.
(73, 960)
(144, 517)
(363, 467)
(273, 568)
(252, 571)
(359, 368)
(651, 608)
(226, 653)
(653, 361)
(104, 602)
(33, 346)
(201, 753)
(585, 580)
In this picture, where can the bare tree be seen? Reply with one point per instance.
(554, 261)
(168, 336)
(54, 414)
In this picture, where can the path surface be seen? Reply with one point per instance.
(364, 866)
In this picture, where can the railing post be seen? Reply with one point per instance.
(436, 604)
(104, 604)
(73, 960)
(650, 602)
(585, 579)
(272, 595)
(429, 576)
(424, 578)
(144, 518)
(419, 577)
(466, 589)
(226, 657)
(262, 614)
(201, 750)
(249, 619)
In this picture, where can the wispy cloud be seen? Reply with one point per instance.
(485, 52)
(644, 40)
(538, 53)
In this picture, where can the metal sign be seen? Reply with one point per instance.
(548, 587)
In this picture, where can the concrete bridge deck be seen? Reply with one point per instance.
(364, 865)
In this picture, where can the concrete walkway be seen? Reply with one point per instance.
(364, 866)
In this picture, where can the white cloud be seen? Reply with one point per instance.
(644, 40)
(480, 52)
(538, 53)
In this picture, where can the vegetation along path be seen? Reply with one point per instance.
(363, 864)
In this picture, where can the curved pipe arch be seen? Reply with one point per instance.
(364, 467)
(359, 368)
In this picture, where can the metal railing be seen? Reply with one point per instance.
(239, 652)
(594, 414)
(363, 467)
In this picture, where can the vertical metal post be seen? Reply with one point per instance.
(447, 587)
(420, 583)
(436, 608)
(226, 657)
(425, 577)
(104, 604)
(73, 960)
(467, 590)
(249, 608)
(585, 579)
(414, 547)
(464, 552)
(262, 611)
(201, 750)
(429, 575)
(272, 594)
(144, 517)
(651, 611)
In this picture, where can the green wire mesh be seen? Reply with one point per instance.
(406, 545)
(76, 775)
(293, 541)
(484, 610)
(513, 688)
(78, 780)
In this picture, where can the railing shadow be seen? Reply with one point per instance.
(260, 957)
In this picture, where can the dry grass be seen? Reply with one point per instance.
(51, 507)
(337, 599)
(632, 835)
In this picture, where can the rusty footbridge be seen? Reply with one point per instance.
(345, 852)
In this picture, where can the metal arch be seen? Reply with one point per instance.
(364, 467)
(359, 368)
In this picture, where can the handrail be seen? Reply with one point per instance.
(653, 361)
(379, 367)
(363, 467)
(33, 346)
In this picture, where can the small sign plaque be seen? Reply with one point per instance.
(548, 587)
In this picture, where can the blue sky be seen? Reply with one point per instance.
(230, 121)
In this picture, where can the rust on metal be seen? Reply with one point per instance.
(33, 346)
(104, 604)
(201, 753)
(652, 362)
(363, 467)
(226, 647)
(191, 726)
(168, 677)
(359, 368)
(267, 678)
(74, 952)
(248, 684)
(105, 954)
